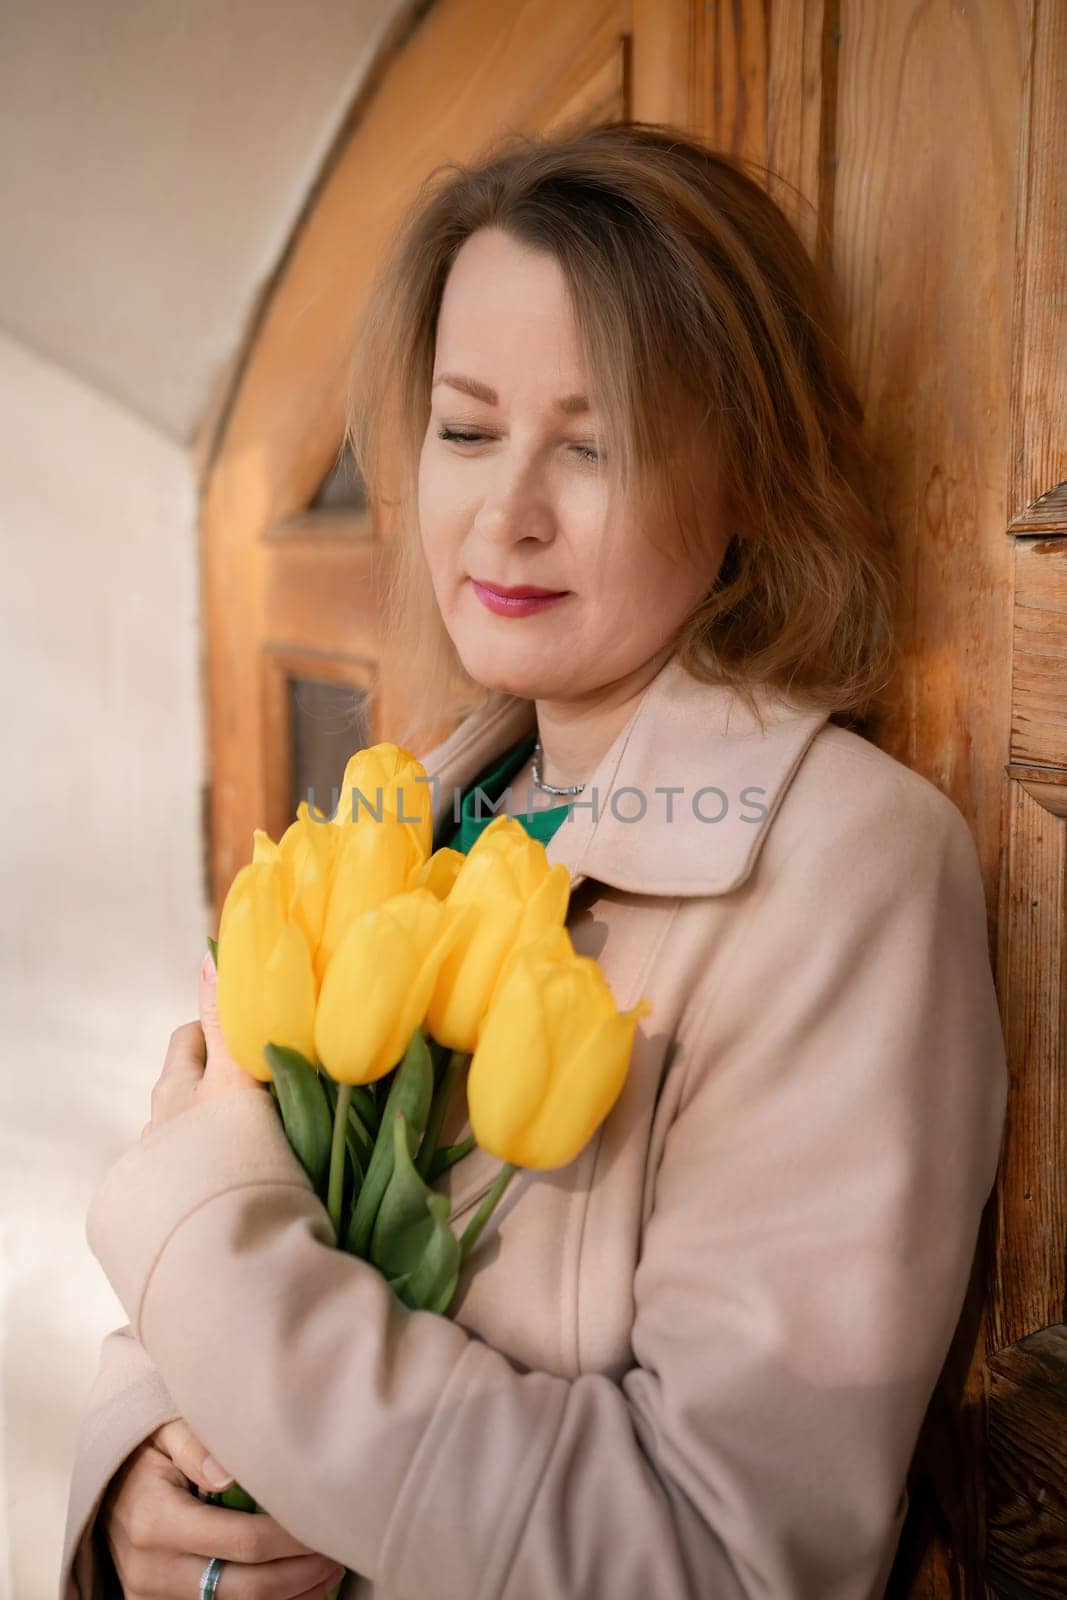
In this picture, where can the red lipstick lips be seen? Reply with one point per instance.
(519, 601)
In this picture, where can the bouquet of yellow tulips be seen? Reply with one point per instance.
(360, 973)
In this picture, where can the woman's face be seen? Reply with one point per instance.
(520, 498)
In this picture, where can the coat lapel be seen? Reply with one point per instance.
(695, 743)
(681, 801)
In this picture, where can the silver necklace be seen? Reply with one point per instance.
(548, 788)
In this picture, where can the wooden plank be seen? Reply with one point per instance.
(667, 59)
(1039, 653)
(928, 97)
(758, 82)
(321, 592)
(1026, 1553)
(1029, 1275)
(1047, 514)
(602, 96)
(1037, 459)
(445, 89)
(801, 143)
(931, 345)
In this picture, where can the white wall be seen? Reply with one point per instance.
(153, 160)
(102, 922)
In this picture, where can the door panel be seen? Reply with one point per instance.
(291, 580)
(919, 150)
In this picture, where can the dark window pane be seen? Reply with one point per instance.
(329, 724)
(343, 489)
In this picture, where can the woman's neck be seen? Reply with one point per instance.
(576, 734)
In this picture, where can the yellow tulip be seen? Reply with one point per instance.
(506, 877)
(439, 872)
(308, 850)
(266, 982)
(373, 862)
(388, 775)
(378, 983)
(552, 1056)
(264, 847)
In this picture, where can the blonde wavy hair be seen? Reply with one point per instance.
(709, 336)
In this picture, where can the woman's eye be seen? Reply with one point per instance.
(459, 438)
(454, 436)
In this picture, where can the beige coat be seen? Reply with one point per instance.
(695, 1361)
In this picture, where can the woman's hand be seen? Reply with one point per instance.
(198, 1064)
(160, 1536)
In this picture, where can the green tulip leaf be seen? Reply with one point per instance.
(362, 1103)
(403, 1205)
(433, 1282)
(357, 1154)
(305, 1109)
(449, 1154)
(236, 1498)
(412, 1238)
(359, 1130)
(213, 946)
(440, 1055)
(411, 1092)
(357, 1161)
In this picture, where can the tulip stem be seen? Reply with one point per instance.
(448, 1156)
(337, 1156)
(485, 1210)
(439, 1105)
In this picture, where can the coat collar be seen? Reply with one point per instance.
(699, 740)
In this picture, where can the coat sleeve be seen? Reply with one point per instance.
(128, 1401)
(840, 1090)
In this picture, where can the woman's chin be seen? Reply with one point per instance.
(524, 672)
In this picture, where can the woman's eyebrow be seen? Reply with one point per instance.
(570, 403)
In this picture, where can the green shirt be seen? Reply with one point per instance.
(491, 782)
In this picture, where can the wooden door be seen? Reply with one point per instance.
(292, 557)
(919, 149)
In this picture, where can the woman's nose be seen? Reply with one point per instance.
(516, 507)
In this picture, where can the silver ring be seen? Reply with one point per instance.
(209, 1578)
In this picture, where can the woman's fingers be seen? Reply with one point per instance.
(186, 1048)
(161, 1537)
(157, 1528)
(183, 1069)
(201, 1529)
(221, 1072)
(186, 1054)
(177, 1440)
(292, 1578)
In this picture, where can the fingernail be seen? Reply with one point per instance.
(216, 1474)
(207, 969)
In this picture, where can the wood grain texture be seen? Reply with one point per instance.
(927, 271)
(919, 149)
(1047, 514)
(929, 160)
(1029, 1284)
(1038, 386)
(450, 77)
(1026, 1549)
(1027, 1403)
(1039, 653)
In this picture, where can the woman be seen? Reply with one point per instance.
(694, 1362)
